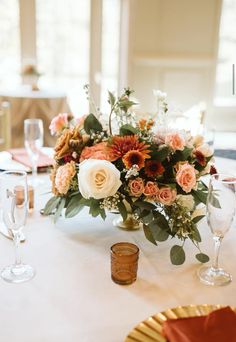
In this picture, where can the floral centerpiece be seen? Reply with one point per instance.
(143, 169)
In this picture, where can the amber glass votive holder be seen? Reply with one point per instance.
(124, 263)
(19, 193)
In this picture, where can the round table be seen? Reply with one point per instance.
(26, 103)
(72, 297)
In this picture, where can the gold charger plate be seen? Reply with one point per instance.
(150, 329)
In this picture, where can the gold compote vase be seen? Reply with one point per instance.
(131, 223)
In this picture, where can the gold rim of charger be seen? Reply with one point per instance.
(150, 329)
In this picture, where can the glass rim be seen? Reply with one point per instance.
(14, 172)
(228, 178)
(125, 243)
(33, 120)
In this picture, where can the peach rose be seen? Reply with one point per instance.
(59, 123)
(151, 189)
(186, 177)
(99, 151)
(167, 195)
(136, 187)
(63, 178)
(175, 141)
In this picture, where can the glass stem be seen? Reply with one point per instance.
(16, 240)
(217, 240)
(34, 168)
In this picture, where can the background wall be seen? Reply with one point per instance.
(173, 47)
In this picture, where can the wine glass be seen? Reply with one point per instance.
(221, 208)
(14, 192)
(33, 131)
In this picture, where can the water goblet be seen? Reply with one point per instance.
(33, 132)
(221, 208)
(14, 213)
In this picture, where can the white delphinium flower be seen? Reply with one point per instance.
(186, 201)
(133, 171)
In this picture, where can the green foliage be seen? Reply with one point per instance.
(59, 209)
(144, 205)
(197, 218)
(214, 201)
(161, 154)
(199, 196)
(128, 130)
(51, 205)
(177, 255)
(195, 234)
(148, 234)
(122, 210)
(111, 98)
(158, 231)
(202, 257)
(91, 124)
(74, 206)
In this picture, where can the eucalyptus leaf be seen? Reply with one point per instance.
(200, 196)
(94, 207)
(59, 209)
(202, 257)
(177, 255)
(148, 234)
(111, 98)
(128, 130)
(158, 233)
(196, 235)
(144, 205)
(215, 202)
(148, 218)
(51, 205)
(122, 210)
(74, 206)
(161, 221)
(198, 218)
(103, 214)
(91, 123)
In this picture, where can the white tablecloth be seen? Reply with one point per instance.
(72, 297)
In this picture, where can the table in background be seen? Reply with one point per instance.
(42, 104)
(72, 298)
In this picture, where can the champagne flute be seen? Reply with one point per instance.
(221, 208)
(33, 131)
(14, 192)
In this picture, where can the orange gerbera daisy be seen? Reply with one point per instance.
(134, 157)
(121, 145)
(153, 168)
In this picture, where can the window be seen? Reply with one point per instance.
(63, 29)
(226, 55)
(62, 47)
(10, 43)
(110, 49)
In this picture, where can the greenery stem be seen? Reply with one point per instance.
(110, 126)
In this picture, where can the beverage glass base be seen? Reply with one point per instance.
(17, 273)
(214, 277)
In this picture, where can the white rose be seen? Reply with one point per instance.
(98, 178)
(186, 201)
(206, 150)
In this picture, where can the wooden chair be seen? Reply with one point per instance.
(5, 126)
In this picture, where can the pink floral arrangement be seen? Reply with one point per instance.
(144, 169)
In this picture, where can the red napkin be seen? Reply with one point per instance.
(218, 326)
(20, 155)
